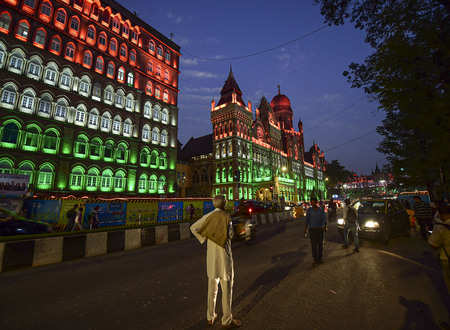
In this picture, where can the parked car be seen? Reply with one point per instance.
(12, 224)
(244, 228)
(250, 207)
(380, 219)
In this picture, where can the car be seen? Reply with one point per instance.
(380, 219)
(15, 227)
(244, 228)
(250, 207)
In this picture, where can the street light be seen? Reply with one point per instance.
(326, 179)
(284, 169)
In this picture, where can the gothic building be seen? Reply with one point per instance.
(88, 99)
(256, 155)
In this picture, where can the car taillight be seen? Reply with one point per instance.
(250, 210)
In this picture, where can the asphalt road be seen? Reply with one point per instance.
(398, 286)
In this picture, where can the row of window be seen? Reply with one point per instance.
(61, 20)
(110, 68)
(222, 130)
(225, 149)
(92, 179)
(32, 138)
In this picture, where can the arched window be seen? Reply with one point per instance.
(121, 74)
(27, 103)
(151, 46)
(125, 31)
(90, 35)
(147, 110)
(154, 159)
(26, 168)
(160, 51)
(50, 141)
(117, 123)
(39, 38)
(23, 30)
(150, 67)
(166, 75)
(61, 110)
(30, 138)
(109, 94)
(130, 79)
(95, 149)
(5, 22)
(80, 149)
(78, 4)
(157, 113)
(158, 92)
(69, 54)
(163, 161)
(166, 96)
(153, 181)
(116, 24)
(80, 115)
(55, 45)
(121, 153)
(149, 88)
(113, 47)
(110, 70)
(132, 57)
(106, 181)
(127, 127)
(134, 36)
(29, 6)
(102, 41)
(10, 133)
(109, 151)
(143, 186)
(129, 102)
(93, 119)
(51, 73)
(146, 133)
(74, 27)
(164, 137)
(87, 59)
(84, 86)
(155, 135)
(120, 98)
(123, 52)
(9, 96)
(92, 179)
(46, 11)
(60, 19)
(97, 91)
(99, 65)
(46, 176)
(77, 178)
(162, 184)
(34, 68)
(165, 116)
(119, 181)
(167, 56)
(144, 157)
(94, 11)
(16, 61)
(106, 16)
(66, 79)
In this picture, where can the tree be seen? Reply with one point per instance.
(409, 75)
(336, 173)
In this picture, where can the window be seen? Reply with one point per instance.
(160, 51)
(147, 110)
(26, 168)
(50, 142)
(30, 3)
(163, 161)
(146, 133)
(27, 102)
(90, 34)
(92, 179)
(164, 137)
(156, 113)
(99, 64)
(85, 87)
(60, 111)
(60, 18)
(97, 91)
(162, 184)
(149, 88)
(39, 38)
(116, 24)
(106, 180)
(45, 107)
(93, 118)
(158, 71)
(66, 80)
(80, 115)
(9, 95)
(157, 92)
(142, 186)
(144, 158)
(34, 69)
(46, 10)
(153, 181)
(155, 135)
(80, 147)
(74, 24)
(77, 178)
(45, 177)
(95, 149)
(134, 36)
(113, 47)
(50, 75)
(125, 30)
(132, 57)
(10, 135)
(110, 70)
(127, 127)
(165, 116)
(119, 100)
(123, 52)
(109, 149)
(129, 103)
(166, 96)
(121, 74)
(167, 56)
(150, 67)
(116, 125)
(121, 154)
(87, 59)
(70, 52)
(105, 122)
(5, 22)
(23, 30)
(166, 75)
(151, 46)
(119, 181)
(108, 96)
(102, 41)
(130, 79)
(16, 63)
(55, 45)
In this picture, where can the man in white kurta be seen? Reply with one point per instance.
(219, 262)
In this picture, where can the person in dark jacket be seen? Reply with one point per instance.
(316, 222)
(71, 214)
(423, 214)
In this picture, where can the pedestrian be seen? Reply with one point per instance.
(440, 239)
(316, 223)
(192, 211)
(216, 228)
(351, 225)
(71, 214)
(93, 218)
(423, 215)
(78, 218)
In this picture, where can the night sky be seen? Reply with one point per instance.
(309, 70)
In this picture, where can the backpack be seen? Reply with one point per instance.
(351, 215)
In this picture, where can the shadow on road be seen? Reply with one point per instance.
(268, 232)
(418, 315)
(282, 266)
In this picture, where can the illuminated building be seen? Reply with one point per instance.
(255, 156)
(88, 98)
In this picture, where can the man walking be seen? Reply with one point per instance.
(423, 214)
(217, 229)
(71, 214)
(316, 222)
(351, 225)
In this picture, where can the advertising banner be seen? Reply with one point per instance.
(13, 185)
(42, 210)
(192, 210)
(10, 204)
(207, 206)
(170, 211)
(142, 211)
(66, 205)
(109, 214)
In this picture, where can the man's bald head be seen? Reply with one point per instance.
(219, 202)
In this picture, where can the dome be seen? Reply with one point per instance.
(281, 102)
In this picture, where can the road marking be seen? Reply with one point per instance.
(408, 260)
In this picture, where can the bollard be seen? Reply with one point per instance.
(132, 239)
(185, 232)
(263, 218)
(47, 251)
(161, 234)
(96, 244)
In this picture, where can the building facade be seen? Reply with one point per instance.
(257, 155)
(88, 99)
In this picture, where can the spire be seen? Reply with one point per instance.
(279, 91)
(230, 87)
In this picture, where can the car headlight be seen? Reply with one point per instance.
(371, 224)
(287, 208)
(340, 221)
